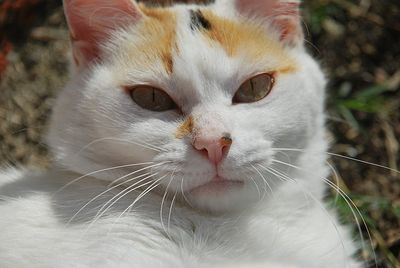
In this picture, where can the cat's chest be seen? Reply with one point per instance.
(193, 239)
(38, 225)
(82, 224)
(118, 237)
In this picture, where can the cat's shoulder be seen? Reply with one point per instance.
(14, 180)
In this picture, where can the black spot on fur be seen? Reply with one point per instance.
(198, 22)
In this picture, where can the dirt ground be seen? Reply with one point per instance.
(357, 43)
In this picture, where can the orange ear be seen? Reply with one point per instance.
(92, 21)
(284, 15)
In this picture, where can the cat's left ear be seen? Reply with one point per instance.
(283, 15)
(91, 23)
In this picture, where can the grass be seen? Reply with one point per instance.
(354, 41)
(374, 242)
(371, 100)
(374, 103)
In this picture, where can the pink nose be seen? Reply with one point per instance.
(215, 148)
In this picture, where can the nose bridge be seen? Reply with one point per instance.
(209, 124)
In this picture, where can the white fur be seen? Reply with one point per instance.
(96, 126)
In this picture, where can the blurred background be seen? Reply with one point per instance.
(358, 45)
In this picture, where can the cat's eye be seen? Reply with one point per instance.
(254, 89)
(151, 98)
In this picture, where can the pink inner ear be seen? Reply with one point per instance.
(284, 15)
(92, 21)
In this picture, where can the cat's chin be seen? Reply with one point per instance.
(221, 195)
(217, 186)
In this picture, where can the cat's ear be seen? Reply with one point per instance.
(91, 22)
(284, 16)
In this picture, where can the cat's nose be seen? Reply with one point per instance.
(214, 148)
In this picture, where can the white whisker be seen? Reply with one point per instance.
(141, 195)
(136, 171)
(349, 203)
(265, 180)
(286, 178)
(341, 156)
(258, 189)
(147, 146)
(162, 202)
(104, 192)
(336, 178)
(170, 211)
(128, 209)
(121, 194)
(98, 171)
(183, 193)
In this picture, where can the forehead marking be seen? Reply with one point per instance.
(251, 39)
(160, 35)
(198, 21)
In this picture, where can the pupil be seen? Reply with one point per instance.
(252, 87)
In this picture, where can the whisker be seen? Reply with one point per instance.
(265, 168)
(147, 190)
(183, 193)
(288, 179)
(120, 140)
(104, 192)
(341, 156)
(265, 185)
(265, 180)
(136, 171)
(336, 178)
(99, 215)
(162, 202)
(170, 210)
(350, 203)
(154, 185)
(121, 194)
(98, 171)
(258, 189)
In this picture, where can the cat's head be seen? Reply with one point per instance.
(197, 97)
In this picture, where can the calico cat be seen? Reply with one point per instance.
(188, 136)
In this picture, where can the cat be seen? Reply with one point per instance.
(188, 135)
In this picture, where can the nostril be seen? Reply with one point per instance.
(225, 150)
(204, 152)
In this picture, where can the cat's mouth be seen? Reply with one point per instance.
(217, 185)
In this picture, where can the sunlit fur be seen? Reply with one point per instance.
(119, 193)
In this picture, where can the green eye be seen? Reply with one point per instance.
(151, 98)
(254, 89)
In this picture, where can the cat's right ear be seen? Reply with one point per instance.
(91, 22)
(282, 15)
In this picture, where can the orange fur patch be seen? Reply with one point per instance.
(160, 36)
(238, 36)
(185, 129)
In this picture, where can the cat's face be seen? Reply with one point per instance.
(203, 94)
